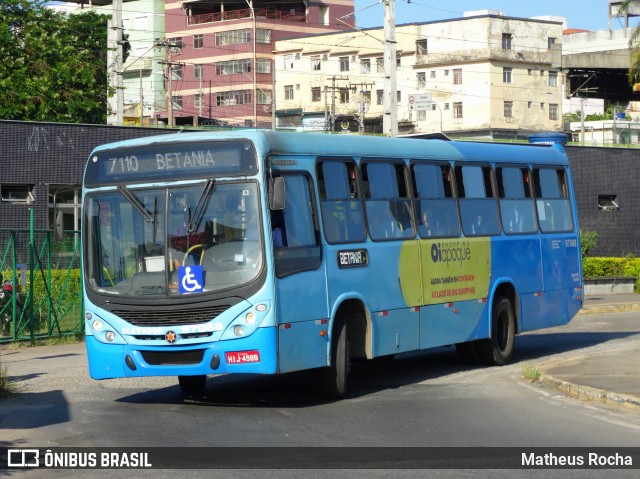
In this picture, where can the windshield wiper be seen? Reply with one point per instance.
(138, 205)
(201, 207)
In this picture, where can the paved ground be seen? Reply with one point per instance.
(612, 377)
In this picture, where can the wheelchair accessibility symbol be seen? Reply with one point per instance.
(190, 279)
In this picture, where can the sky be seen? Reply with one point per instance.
(583, 14)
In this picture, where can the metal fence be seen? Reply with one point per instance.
(41, 295)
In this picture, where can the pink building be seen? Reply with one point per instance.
(220, 63)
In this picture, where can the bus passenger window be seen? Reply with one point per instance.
(478, 208)
(342, 217)
(552, 200)
(389, 213)
(516, 200)
(435, 205)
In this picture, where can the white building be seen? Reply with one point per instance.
(143, 72)
(488, 76)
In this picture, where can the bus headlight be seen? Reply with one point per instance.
(110, 336)
(238, 330)
(97, 325)
(250, 318)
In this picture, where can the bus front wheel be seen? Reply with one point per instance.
(334, 376)
(498, 349)
(192, 384)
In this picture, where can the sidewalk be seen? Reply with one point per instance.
(611, 303)
(611, 377)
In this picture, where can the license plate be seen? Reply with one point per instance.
(240, 357)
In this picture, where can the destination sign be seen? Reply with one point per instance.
(353, 258)
(172, 161)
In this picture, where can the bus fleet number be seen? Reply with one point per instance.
(124, 165)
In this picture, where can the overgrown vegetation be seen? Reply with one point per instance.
(6, 386)
(65, 306)
(588, 241)
(610, 111)
(531, 372)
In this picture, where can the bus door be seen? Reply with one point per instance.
(301, 289)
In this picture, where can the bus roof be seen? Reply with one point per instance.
(322, 144)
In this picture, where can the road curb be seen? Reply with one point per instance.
(610, 308)
(591, 394)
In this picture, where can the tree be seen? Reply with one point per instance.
(634, 43)
(53, 66)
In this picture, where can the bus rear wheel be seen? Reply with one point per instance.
(192, 384)
(334, 376)
(498, 349)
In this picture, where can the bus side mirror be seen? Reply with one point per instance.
(277, 194)
(59, 229)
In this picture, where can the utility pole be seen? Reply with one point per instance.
(141, 112)
(361, 102)
(255, 79)
(390, 104)
(169, 46)
(333, 99)
(114, 62)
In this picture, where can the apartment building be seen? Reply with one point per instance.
(485, 75)
(219, 65)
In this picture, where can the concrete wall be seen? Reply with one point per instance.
(48, 155)
(608, 171)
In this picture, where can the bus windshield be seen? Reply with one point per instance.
(137, 239)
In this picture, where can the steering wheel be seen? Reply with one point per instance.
(193, 248)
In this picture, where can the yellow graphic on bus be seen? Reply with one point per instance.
(449, 270)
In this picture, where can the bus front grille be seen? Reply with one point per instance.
(171, 317)
(161, 358)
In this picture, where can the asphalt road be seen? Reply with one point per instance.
(425, 400)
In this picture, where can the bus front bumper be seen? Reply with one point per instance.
(254, 354)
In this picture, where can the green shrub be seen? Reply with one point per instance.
(64, 292)
(588, 241)
(632, 268)
(596, 267)
(604, 267)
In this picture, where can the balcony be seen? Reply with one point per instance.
(212, 11)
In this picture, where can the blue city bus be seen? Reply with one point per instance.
(264, 252)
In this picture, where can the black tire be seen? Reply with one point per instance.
(498, 349)
(190, 385)
(334, 376)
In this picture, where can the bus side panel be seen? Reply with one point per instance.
(395, 331)
(302, 346)
(533, 312)
(562, 278)
(519, 259)
(561, 267)
(301, 306)
(448, 323)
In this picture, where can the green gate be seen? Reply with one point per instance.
(47, 272)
